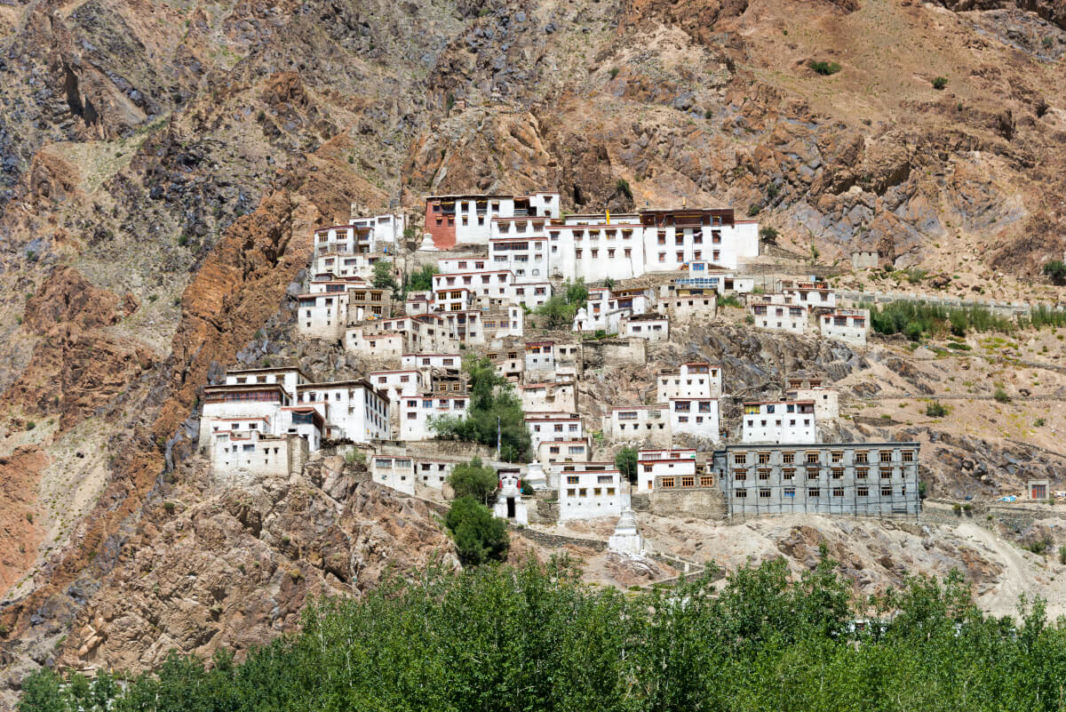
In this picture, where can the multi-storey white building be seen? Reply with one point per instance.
(426, 362)
(588, 495)
(524, 255)
(848, 325)
(653, 464)
(826, 402)
(257, 454)
(553, 454)
(397, 385)
(596, 251)
(352, 410)
(418, 413)
(780, 317)
(779, 422)
(812, 295)
(605, 309)
(394, 471)
(639, 423)
(453, 220)
(697, 379)
(539, 359)
(652, 327)
(694, 416)
(541, 397)
(385, 229)
(545, 427)
(368, 342)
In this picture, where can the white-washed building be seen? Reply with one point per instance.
(653, 464)
(467, 219)
(696, 379)
(697, 417)
(851, 326)
(548, 396)
(639, 423)
(792, 318)
(418, 413)
(352, 409)
(589, 495)
(779, 422)
(545, 427)
(652, 327)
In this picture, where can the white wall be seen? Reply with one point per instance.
(588, 495)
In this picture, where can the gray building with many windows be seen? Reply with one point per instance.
(823, 478)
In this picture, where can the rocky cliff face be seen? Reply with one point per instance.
(161, 166)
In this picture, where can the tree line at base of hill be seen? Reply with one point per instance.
(536, 638)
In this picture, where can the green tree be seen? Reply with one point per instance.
(626, 462)
(939, 83)
(559, 310)
(43, 692)
(479, 536)
(422, 280)
(383, 278)
(474, 480)
(494, 410)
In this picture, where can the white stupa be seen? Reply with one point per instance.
(427, 243)
(535, 476)
(509, 504)
(626, 539)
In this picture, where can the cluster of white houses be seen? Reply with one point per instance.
(268, 421)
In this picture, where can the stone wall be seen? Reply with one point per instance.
(702, 503)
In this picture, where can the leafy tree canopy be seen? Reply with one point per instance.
(472, 479)
(537, 639)
(494, 408)
(479, 536)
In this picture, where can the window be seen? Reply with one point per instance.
(741, 493)
(788, 473)
(790, 491)
(764, 473)
(837, 456)
(812, 473)
(838, 491)
(813, 492)
(838, 473)
(571, 480)
(706, 481)
(886, 491)
(861, 473)
(863, 491)
(740, 458)
(740, 475)
(764, 458)
(908, 455)
(886, 456)
(788, 458)
(666, 482)
(862, 457)
(764, 493)
(812, 458)
(688, 481)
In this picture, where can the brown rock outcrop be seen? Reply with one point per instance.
(234, 567)
(19, 535)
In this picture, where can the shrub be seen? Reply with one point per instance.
(824, 68)
(30, 425)
(936, 409)
(451, 101)
(729, 300)
(622, 186)
(1040, 546)
(769, 234)
(479, 537)
(169, 507)
(1062, 554)
(1055, 270)
(749, 319)
(383, 275)
(754, 210)
(1039, 422)
(472, 479)
(1047, 42)
(957, 509)
(1001, 396)
(420, 281)
(613, 72)
(940, 82)
(355, 457)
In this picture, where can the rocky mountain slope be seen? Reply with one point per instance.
(162, 165)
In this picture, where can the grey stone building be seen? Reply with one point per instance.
(874, 479)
